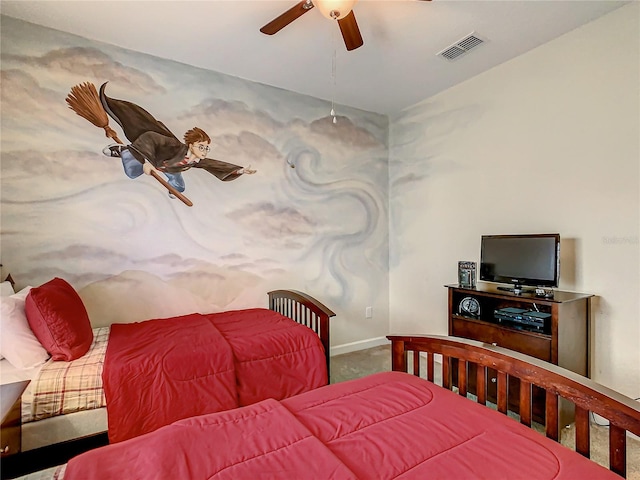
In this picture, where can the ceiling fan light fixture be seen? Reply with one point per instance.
(335, 9)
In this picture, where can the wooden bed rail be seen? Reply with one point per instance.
(306, 310)
(622, 412)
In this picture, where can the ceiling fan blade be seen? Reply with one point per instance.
(350, 31)
(278, 23)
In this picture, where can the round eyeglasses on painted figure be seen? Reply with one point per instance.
(153, 148)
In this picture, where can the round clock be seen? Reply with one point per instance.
(469, 306)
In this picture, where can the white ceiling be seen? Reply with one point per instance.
(397, 66)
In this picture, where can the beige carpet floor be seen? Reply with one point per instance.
(365, 362)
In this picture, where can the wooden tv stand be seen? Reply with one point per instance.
(563, 340)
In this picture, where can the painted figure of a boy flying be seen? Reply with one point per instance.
(154, 147)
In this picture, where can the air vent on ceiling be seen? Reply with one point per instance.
(461, 47)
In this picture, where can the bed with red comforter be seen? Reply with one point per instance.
(387, 425)
(144, 371)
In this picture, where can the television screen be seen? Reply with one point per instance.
(532, 260)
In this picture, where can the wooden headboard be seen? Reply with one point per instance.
(306, 310)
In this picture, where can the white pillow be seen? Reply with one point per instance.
(18, 344)
(6, 289)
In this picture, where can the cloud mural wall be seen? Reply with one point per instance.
(314, 216)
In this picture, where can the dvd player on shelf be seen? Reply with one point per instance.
(521, 316)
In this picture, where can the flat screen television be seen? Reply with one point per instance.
(521, 260)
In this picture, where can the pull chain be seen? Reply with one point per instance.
(333, 77)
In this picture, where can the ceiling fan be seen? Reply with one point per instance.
(340, 10)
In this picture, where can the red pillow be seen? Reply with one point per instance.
(59, 320)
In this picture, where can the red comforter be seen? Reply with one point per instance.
(387, 425)
(160, 371)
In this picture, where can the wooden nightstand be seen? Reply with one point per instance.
(10, 408)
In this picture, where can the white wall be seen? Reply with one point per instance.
(132, 252)
(547, 142)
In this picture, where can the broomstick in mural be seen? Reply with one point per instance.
(153, 149)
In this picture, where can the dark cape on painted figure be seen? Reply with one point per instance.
(152, 141)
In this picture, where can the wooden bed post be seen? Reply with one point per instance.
(398, 356)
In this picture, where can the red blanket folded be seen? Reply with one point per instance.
(159, 371)
(275, 357)
(164, 370)
(259, 441)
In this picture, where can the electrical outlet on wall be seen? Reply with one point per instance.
(368, 312)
